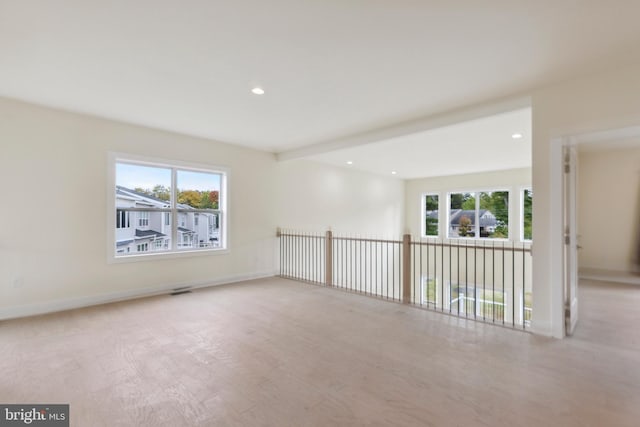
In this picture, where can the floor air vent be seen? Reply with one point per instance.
(180, 291)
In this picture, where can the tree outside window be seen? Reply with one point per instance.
(431, 210)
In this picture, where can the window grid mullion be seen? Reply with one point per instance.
(174, 209)
(477, 225)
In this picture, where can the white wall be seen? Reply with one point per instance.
(54, 169)
(513, 180)
(53, 165)
(609, 208)
(314, 196)
(602, 101)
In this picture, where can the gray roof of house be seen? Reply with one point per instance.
(148, 233)
(456, 214)
(185, 230)
(127, 191)
(123, 243)
(432, 214)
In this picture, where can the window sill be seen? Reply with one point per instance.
(115, 259)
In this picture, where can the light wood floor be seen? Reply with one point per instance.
(280, 353)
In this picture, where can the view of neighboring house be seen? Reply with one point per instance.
(462, 222)
(151, 230)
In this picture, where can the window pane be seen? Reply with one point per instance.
(527, 214)
(462, 215)
(148, 188)
(166, 209)
(198, 190)
(429, 290)
(494, 214)
(142, 186)
(431, 215)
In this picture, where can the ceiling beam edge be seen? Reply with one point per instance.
(410, 127)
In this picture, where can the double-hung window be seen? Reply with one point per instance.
(143, 219)
(475, 215)
(122, 219)
(159, 207)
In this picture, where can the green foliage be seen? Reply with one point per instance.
(528, 214)
(199, 199)
(431, 226)
(431, 207)
(456, 200)
(189, 197)
(502, 232)
(430, 291)
(469, 204)
(431, 203)
(462, 201)
(497, 202)
(194, 198)
(205, 201)
(159, 192)
(528, 299)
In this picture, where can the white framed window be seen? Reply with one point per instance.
(143, 219)
(478, 215)
(167, 201)
(123, 219)
(430, 207)
(526, 209)
(429, 290)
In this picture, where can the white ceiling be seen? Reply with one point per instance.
(330, 68)
(479, 145)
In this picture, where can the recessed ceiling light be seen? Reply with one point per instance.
(257, 91)
(516, 136)
(349, 162)
(393, 172)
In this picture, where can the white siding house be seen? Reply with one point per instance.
(151, 230)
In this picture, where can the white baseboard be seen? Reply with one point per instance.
(87, 301)
(545, 329)
(616, 276)
(542, 328)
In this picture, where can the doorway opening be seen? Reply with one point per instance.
(600, 193)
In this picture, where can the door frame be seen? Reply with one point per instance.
(558, 226)
(570, 222)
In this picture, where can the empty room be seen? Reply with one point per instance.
(284, 213)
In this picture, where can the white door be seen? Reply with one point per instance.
(570, 239)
